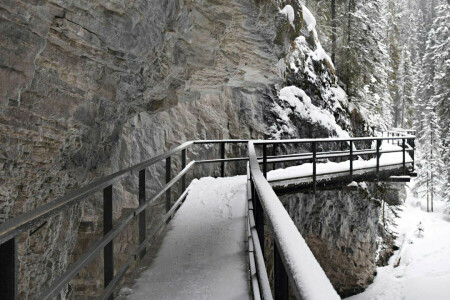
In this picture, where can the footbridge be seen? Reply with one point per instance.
(213, 244)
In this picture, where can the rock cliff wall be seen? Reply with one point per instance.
(90, 87)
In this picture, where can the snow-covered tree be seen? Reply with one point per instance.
(432, 108)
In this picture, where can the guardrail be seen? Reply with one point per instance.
(263, 200)
(405, 141)
(293, 261)
(27, 221)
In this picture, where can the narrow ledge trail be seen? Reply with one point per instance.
(203, 254)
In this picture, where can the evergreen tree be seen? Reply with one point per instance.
(440, 54)
(433, 96)
(366, 62)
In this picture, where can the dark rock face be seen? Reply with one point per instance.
(345, 231)
(341, 229)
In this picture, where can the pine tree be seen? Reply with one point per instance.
(433, 116)
(395, 58)
(406, 89)
(366, 61)
(440, 54)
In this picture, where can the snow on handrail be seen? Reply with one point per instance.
(331, 140)
(308, 279)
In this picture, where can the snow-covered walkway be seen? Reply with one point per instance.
(203, 254)
(306, 169)
(424, 268)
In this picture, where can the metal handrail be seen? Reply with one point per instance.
(286, 263)
(262, 190)
(288, 267)
(330, 140)
(10, 229)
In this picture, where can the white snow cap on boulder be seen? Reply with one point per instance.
(288, 11)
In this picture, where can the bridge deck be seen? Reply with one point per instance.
(333, 175)
(203, 251)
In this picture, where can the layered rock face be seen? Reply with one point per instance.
(90, 87)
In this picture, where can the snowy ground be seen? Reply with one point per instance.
(203, 255)
(424, 269)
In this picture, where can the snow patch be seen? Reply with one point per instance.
(310, 112)
(288, 12)
(420, 269)
(308, 18)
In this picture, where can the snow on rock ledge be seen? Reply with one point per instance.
(309, 111)
(295, 103)
(308, 18)
(288, 11)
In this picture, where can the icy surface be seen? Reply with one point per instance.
(203, 255)
(423, 271)
(329, 167)
(288, 11)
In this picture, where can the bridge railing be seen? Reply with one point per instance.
(294, 263)
(405, 142)
(260, 190)
(10, 229)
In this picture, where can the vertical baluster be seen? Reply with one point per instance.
(142, 213)
(259, 216)
(222, 156)
(378, 159)
(8, 267)
(183, 165)
(413, 145)
(404, 156)
(314, 149)
(168, 177)
(108, 250)
(274, 153)
(351, 161)
(280, 278)
(265, 160)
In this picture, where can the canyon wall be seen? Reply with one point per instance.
(90, 87)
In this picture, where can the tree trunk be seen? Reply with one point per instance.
(333, 30)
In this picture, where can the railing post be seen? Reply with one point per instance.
(222, 156)
(108, 250)
(259, 216)
(351, 161)
(8, 267)
(404, 156)
(183, 165)
(280, 278)
(378, 159)
(314, 149)
(274, 153)
(265, 160)
(413, 145)
(168, 177)
(142, 213)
